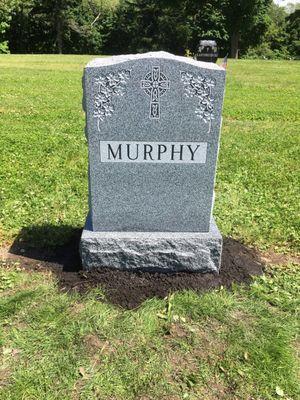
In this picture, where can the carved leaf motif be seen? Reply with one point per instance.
(200, 87)
(106, 87)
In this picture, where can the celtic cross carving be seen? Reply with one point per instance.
(155, 85)
(200, 87)
(108, 86)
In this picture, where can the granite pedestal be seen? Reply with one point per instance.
(155, 251)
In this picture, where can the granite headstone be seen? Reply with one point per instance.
(153, 125)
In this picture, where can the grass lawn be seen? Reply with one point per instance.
(43, 171)
(240, 344)
(220, 345)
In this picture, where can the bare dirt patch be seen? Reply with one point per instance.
(5, 374)
(271, 257)
(130, 289)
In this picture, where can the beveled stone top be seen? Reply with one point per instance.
(105, 61)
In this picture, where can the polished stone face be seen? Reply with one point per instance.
(153, 124)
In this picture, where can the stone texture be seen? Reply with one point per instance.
(152, 197)
(153, 125)
(156, 251)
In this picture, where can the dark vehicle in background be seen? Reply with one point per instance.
(207, 51)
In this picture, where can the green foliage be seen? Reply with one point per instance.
(4, 47)
(73, 26)
(293, 31)
(113, 26)
(255, 28)
(6, 7)
(143, 25)
(276, 33)
(265, 52)
(175, 26)
(229, 344)
(282, 37)
(245, 22)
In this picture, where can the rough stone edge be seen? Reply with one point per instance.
(152, 251)
(106, 61)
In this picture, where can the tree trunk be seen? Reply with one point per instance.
(235, 38)
(59, 41)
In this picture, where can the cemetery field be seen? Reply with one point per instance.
(43, 170)
(59, 342)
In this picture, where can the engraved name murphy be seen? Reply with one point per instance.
(153, 152)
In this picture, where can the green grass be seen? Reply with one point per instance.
(240, 344)
(221, 345)
(258, 174)
(43, 170)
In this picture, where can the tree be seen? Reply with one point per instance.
(59, 13)
(246, 21)
(60, 26)
(276, 34)
(293, 33)
(171, 25)
(280, 38)
(6, 7)
(136, 27)
(241, 21)
(206, 20)
(125, 26)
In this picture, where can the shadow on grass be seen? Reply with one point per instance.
(37, 248)
(58, 245)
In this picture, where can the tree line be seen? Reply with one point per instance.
(240, 27)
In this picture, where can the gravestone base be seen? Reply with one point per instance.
(152, 251)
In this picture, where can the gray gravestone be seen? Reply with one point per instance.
(153, 126)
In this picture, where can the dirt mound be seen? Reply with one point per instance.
(130, 289)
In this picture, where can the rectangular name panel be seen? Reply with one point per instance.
(153, 152)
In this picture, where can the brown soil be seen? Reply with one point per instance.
(130, 289)
(271, 257)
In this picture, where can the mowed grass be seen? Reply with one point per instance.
(258, 197)
(231, 345)
(43, 170)
(220, 345)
